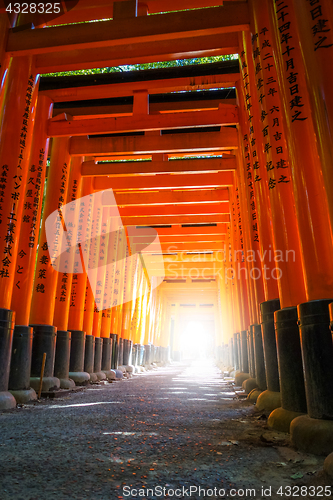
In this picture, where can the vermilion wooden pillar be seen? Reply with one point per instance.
(315, 27)
(313, 219)
(64, 281)
(27, 248)
(109, 281)
(277, 164)
(16, 125)
(45, 283)
(255, 174)
(32, 207)
(4, 58)
(43, 298)
(306, 167)
(79, 283)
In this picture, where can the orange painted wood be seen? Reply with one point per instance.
(164, 197)
(86, 11)
(140, 53)
(101, 272)
(170, 143)
(178, 230)
(157, 167)
(92, 271)
(126, 109)
(283, 219)
(314, 223)
(180, 239)
(42, 306)
(79, 282)
(16, 125)
(109, 280)
(64, 281)
(151, 86)
(227, 115)
(191, 247)
(27, 246)
(170, 26)
(165, 181)
(181, 219)
(258, 175)
(174, 210)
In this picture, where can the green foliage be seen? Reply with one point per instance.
(154, 65)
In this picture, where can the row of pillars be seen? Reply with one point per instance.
(278, 270)
(80, 303)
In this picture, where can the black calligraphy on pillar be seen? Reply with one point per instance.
(269, 104)
(249, 143)
(16, 184)
(287, 43)
(320, 29)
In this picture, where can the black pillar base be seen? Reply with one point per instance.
(259, 357)
(267, 310)
(244, 352)
(114, 357)
(61, 362)
(120, 351)
(76, 362)
(317, 354)
(19, 377)
(89, 355)
(7, 321)
(44, 341)
(98, 359)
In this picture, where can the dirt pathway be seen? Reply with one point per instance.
(180, 428)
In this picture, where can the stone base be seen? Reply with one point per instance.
(24, 396)
(280, 419)
(254, 395)
(268, 401)
(148, 367)
(119, 374)
(7, 401)
(66, 383)
(328, 465)
(49, 383)
(312, 435)
(101, 375)
(80, 378)
(249, 384)
(110, 374)
(240, 378)
(122, 368)
(130, 368)
(93, 378)
(233, 373)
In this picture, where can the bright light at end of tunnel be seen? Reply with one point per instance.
(196, 341)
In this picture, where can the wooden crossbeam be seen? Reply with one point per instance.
(172, 26)
(172, 210)
(139, 53)
(226, 115)
(169, 143)
(167, 181)
(166, 85)
(166, 198)
(185, 232)
(102, 111)
(181, 219)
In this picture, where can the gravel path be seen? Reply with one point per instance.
(176, 427)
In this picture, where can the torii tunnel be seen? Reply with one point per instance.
(148, 212)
